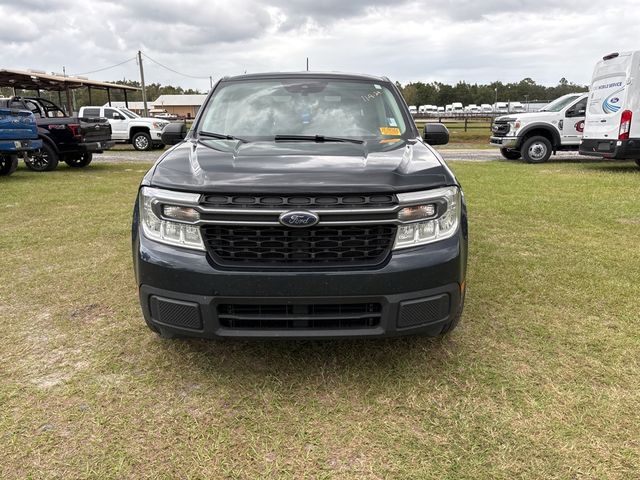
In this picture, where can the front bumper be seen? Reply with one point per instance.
(504, 142)
(613, 149)
(17, 146)
(97, 147)
(156, 136)
(419, 290)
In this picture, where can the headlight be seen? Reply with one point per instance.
(174, 205)
(160, 125)
(443, 204)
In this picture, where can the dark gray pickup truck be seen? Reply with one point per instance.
(301, 205)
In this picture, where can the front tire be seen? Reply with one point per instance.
(43, 160)
(79, 162)
(142, 141)
(8, 165)
(510, 154)
(536, 150)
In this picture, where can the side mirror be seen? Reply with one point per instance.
(174, 133)
(116, 116)
(436, 134)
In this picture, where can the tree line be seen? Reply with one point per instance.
(415, 93)
(441, 94)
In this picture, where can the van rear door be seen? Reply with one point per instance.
(607, 97)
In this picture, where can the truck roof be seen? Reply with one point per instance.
(327, 75)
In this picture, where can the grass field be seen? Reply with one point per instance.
(541, 380)
(476, 136)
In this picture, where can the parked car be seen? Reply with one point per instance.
(486, 108)
(422, 109)
(440, 110)
(71, 139)
(18, 135)
(412, 109)
(614, 99)
(535, 136)
(144, 133)
(472, 108)
(163, 114)
(335, 220)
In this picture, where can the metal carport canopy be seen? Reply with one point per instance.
(38, 80)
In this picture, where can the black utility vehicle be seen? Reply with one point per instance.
(71, 139)
(301, 205)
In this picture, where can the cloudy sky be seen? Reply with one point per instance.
(443, 40)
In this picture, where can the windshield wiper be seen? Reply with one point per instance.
(221, 136)
(315, 138)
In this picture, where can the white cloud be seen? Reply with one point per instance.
(448, 41)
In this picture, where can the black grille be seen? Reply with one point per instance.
(423, 311)
(300, 316)
(174, 312)
(301, 201)
(320, 246)
(500, 128)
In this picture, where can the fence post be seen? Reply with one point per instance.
(465, 123)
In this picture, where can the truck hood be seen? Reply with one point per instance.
(299, 167)
(527, 117)
(142, 120)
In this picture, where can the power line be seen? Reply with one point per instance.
(105, 68)
(175, 71)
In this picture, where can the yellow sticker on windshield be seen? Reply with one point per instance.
(389, 130)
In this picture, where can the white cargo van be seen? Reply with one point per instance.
(456, 107)
(516, 107)
(612, 125)
(501, 107)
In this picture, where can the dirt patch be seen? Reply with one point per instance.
(91, 313)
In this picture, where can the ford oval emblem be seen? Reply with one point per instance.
(299, 219)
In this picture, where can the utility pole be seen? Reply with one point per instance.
(70, 102)
(307, 64)
(211, 82)
(144, 90)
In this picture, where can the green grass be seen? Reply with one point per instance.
(541, 380)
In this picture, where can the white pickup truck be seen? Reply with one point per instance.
(535, 136)
(144, 133)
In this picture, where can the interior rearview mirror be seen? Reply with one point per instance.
(436, 134)
(174, 133)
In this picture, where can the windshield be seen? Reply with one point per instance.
(559, 103)
(262, 109)
(129, 113)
